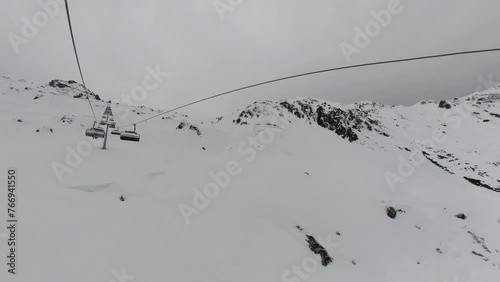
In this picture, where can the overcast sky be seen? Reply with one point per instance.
(257, 40)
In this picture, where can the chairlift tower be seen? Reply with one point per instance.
(107, 113)
(106, 134)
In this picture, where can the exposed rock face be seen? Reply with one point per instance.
(479, 240)
(480, 183)
(185, 125)
(444, 105)
(73, 88)
(391, 212)
(346, 123)
(319, 250)
(336, 120)
(58, 83)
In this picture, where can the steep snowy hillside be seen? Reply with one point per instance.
(296, 190)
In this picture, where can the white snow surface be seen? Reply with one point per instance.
(293, 173)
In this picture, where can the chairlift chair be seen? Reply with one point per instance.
(116, 132)
(95, 132)
(130, 135)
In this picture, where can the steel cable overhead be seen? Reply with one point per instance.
(317, 72)
(78, 60)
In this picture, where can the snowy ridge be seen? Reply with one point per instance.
(68, 88)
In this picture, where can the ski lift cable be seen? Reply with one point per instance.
(317, 72)
(78, 60)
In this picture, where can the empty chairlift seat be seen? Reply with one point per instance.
(95, 132)
(130, 136)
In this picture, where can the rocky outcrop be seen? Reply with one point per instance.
(185, 125)
(72, 88)
(346, 123)
(319, 250)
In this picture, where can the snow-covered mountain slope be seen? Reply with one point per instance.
(425, 129)
(267, 194)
